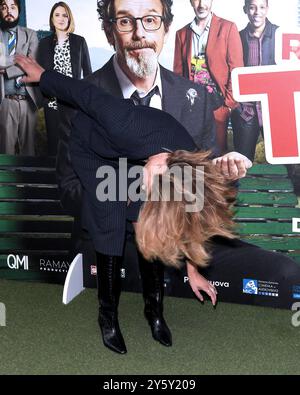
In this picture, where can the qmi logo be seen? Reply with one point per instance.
(250, 287)
(15, 262)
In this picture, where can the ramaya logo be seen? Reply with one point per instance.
(250, 287)
(49, 265)
(15, 262)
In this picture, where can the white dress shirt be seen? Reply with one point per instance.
(200, 37)
(128, 88)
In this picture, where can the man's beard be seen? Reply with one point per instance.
(145, 64)
(200, 11)
(6, 25)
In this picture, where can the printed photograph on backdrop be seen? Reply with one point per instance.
(36, 169)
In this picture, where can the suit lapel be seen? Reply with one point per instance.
(176, 103)
(75, 55)
(52, 43)
(109, 80)
(170, 102)
(212, 37)
(189, 47)
(21, 39)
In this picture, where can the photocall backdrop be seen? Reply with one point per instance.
(35, 230)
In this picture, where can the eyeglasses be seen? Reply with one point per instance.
(127, 24)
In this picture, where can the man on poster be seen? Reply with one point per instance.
(258, 39)
(206, 52)
(18, 102)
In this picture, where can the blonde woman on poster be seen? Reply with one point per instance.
(67, 53)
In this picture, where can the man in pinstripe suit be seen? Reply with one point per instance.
(121, 129)
(132, 71)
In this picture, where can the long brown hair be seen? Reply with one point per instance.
(166, 231)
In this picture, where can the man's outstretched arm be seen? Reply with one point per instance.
(92, 100)
(136, 132)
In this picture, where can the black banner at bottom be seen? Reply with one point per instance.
(128, 384)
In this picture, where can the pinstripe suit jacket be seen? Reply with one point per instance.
(106, 129)
(197, 119)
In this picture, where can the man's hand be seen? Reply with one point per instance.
(233, 165)
(32, 69)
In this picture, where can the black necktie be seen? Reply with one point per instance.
(143, 101)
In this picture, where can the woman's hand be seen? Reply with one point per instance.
(199, 283)
(233, 165)
(156, 164)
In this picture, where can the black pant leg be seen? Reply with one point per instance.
(236, 262)
(245, 134)
(52, 126)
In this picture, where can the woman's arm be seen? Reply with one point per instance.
(85, 58)
(45, 53)
(199, 283)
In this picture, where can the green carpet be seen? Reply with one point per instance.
(42, 336)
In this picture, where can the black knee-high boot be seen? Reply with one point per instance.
(109, 290)
(152, 275)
